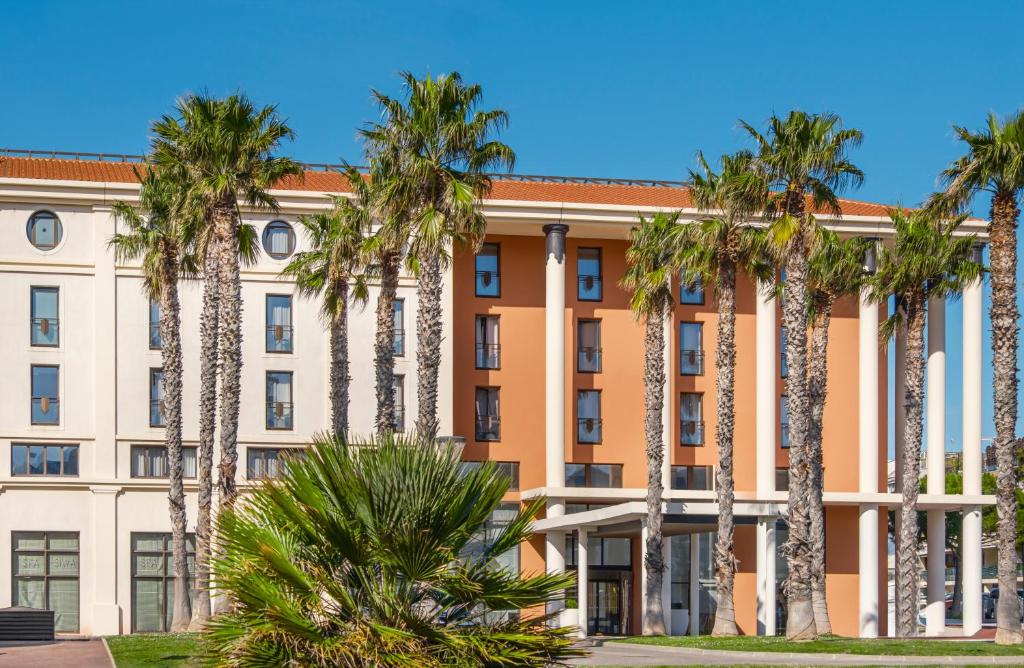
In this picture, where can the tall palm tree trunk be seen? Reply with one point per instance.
(654, 398)
(339, 363)
(170, 340)
(1003, 314)
(907, 572)
(725, 366)
(428, 345)
(230, 303)
(817, 386)
(384, 346)
(208, 334)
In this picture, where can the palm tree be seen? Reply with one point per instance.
(651, 265)
(926, 261)
(715, 249)
(994, 163)
(835, 270)
(803, 156)
(441, 146)
(159, 235)
(328, 271)
(328, 566)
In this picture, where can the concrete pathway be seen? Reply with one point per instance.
(626, 654)
(56, 654)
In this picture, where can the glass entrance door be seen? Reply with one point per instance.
(604, 608)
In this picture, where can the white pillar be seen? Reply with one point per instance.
(867, 429)
(899, 386)
(582, 582)
(666, 583)
(767, 376)
(867, 542)
(694, 584)
(935, 612)
(106, 613)
(766, 576)
(971, 545)
(669, 402)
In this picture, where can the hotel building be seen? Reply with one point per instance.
(542, 370)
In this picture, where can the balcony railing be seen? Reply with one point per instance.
(589, 288)
(279, 415)
(156, 413)
(488, 283)
(588, 430)
(588, 360)
(279, 338)
(45, 410)
(691, 362)
(488, 356)
(691, 432)
(488, 428)
(45, 331)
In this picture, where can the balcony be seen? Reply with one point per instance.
(488, 428)
(156, 413)
(279, 415)
(488, 356)
(588, 430)
(45, 410)
(279, 339)
(45, 332)
(589, 288)
(588, 360)
(691, 432)
(691, 362)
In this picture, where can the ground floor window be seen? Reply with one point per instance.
(153, 580)
(45, 569)
(680, 571)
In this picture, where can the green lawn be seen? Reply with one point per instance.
(163, 650)
(836, 645)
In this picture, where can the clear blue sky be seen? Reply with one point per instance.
(593, 88)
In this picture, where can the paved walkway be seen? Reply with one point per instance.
(626, 654)
(57, 654)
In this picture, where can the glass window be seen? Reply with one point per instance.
(784, 420)
(279, 400)
(588, 415)
(691, 292)
(45, 321)
(44, 230)
(680, 572)
(588, 346)
(488, 349)
(600, 551)
(278, 239)
(49, 459)
(508, 469)
(45, 394)
(588, 274)
(399, 402)
(153, 580)
(492, 528)
(279, 323)
(150, 461)
(488, 271)
(781, 480)
(575, 475)
(783, 362)
(691, 348)
(265, 462)
(488, 414)
(693, 477)
(46, 568)
(691, 418)
(156, 398)
(154, 325)
(593, 475)
(398, 319)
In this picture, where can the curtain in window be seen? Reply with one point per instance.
(486, 403)
(279, 322)
(148, 600)
(44, 316)
(158, 462)
(154, 324)
(280, 388)
(277, 240)
(188, 462)
(270, 463)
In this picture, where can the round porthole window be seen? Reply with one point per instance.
(278, 239)
(44, 230)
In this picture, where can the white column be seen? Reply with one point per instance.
(868, 565)
(867, 429)
(971, 545)
(766, 576)
(666, 583)
(694, 584)
(935, 612)
(106, 614)
(582, 582)
(669, 402)
(767, 375)
(105, 352)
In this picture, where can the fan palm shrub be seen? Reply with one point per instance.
(377, 555)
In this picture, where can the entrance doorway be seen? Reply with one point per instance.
(606, 609)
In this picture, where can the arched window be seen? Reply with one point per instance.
(44, 230)
(278, 239)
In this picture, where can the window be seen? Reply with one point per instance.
(588, 416)
(784, 420)
(488, 271)
(278, 239)
(45, 566)
(399, 381)
(693, 477)
(492, 528)
(593, 475)
(266, 462)
(692, 292)
(279, 323)
(44, 230)
(45, 394)
(398, 320)
(150, 461)
(783, 363)
(691, 419)
(588, 274)
(588, 346)
(153, 580)
(488, 415)
(488, 350)
(279, 400)
(154, 325)
(680, 572)
(781, 480)
(600, 551)
(50, 459)
(156, 398)
(691, 348)
(45, 320)
(508, 469)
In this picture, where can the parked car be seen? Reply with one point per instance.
(994, 595)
